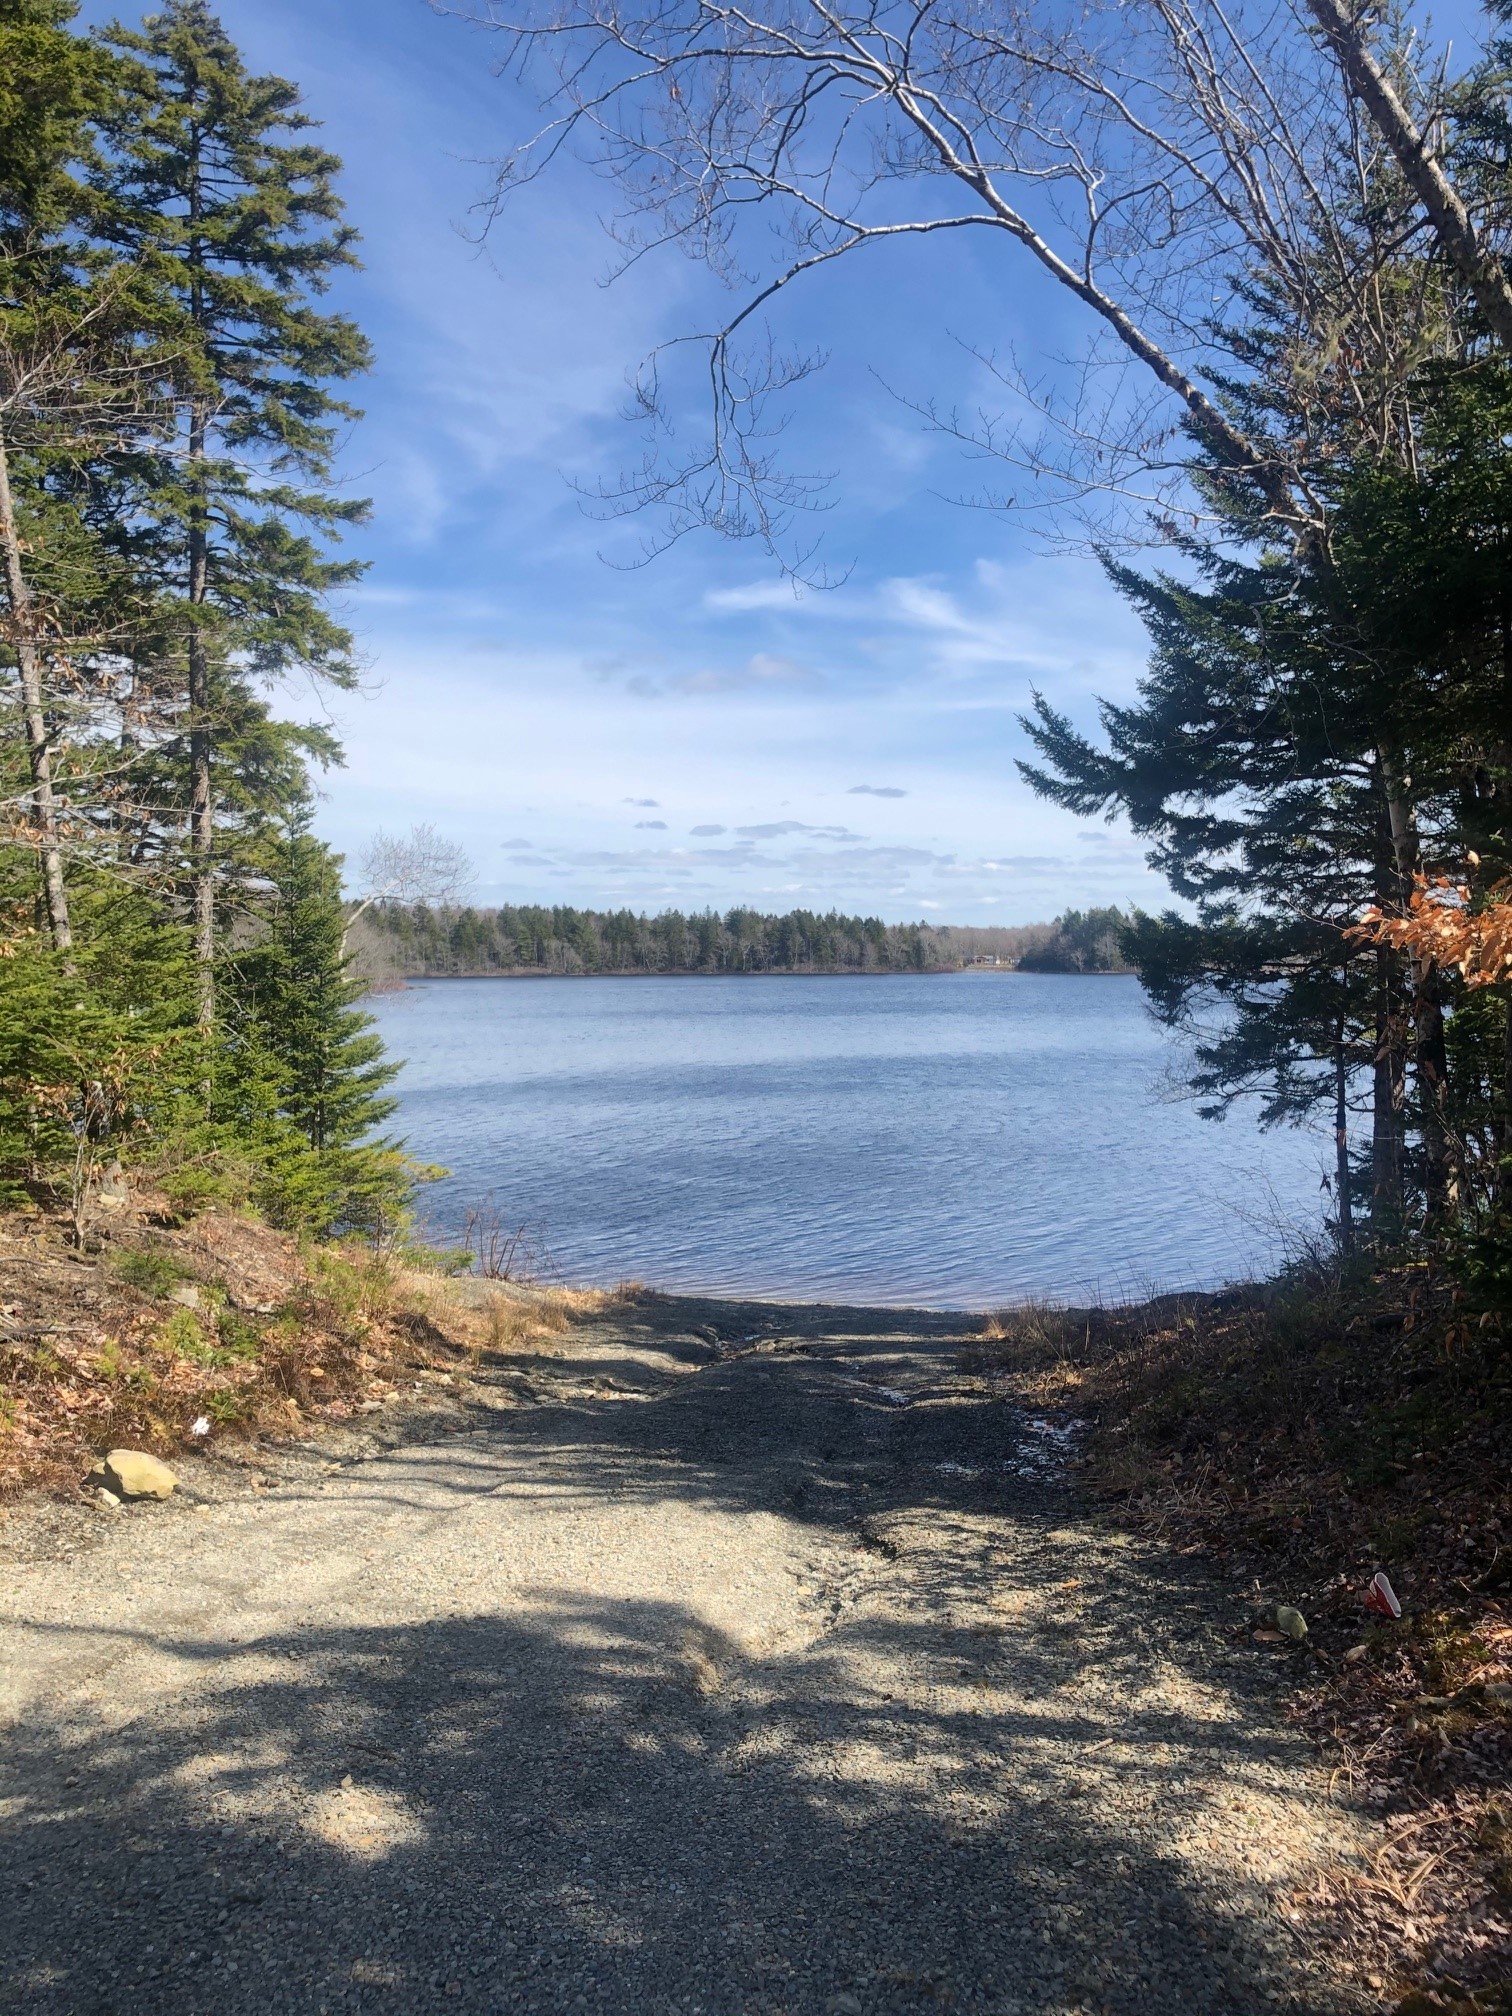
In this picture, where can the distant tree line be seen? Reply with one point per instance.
(394, 940)
(1081, 941)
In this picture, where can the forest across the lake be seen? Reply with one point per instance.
(420, 941)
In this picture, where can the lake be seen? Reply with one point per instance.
(956, 1140)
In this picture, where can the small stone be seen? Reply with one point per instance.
(843, 2005)
(1291, 1621)
(1499, 1693)
(109, 1499)
(186, 1293)
(132, 1473)
(1354, 1655)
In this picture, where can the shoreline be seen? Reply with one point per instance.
(1182, 1421)
(398, 981)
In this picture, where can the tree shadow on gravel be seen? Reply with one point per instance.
(409, 1819)
(603, 1805)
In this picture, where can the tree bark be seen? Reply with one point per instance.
(1388, 1120)
(1451, 220)
(201, 801)
(1441, 1184)
(38, 742)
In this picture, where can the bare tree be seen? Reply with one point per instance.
(1151, 158)
(1348, 36)
(419, 867)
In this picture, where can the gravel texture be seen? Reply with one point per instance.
(737, 1658)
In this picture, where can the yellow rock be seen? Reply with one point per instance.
(132, 1473)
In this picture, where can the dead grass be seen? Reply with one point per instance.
(170, 1336)
(1304, 1435)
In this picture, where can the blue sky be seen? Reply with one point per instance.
(691, 732)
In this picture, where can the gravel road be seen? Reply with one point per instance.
(739, 1658)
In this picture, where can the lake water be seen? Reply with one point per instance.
(957, 1140)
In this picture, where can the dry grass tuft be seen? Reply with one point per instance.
(225, 1325)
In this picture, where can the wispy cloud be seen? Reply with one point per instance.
(780, 829)
(755, 595)
(517, 681)
(761, 672)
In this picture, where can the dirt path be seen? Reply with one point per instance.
(691, 1671)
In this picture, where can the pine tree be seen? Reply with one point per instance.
(292, 1010)
(98, 1046)
(211, 182)
(50, 84)
(1249, 770)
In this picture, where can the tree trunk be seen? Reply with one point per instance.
(1441, 1184)
(1388, 1119)
(1341, 1146)
(38, 744)
(1452, 223)
(201, 803)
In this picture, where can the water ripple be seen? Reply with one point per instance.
(955, 1140)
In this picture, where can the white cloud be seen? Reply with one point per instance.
(778, 594)
(761, 672)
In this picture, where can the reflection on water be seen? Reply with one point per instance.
(952, 1139)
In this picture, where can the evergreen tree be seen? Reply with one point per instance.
(1249, 768)
(51, 83)
(166, 505)
(294, 1018)
(211, 183)
(98, 1046)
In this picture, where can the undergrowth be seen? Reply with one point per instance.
(170, 1336)
(1305, 1434)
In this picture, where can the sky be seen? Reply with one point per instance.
(691, 731)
